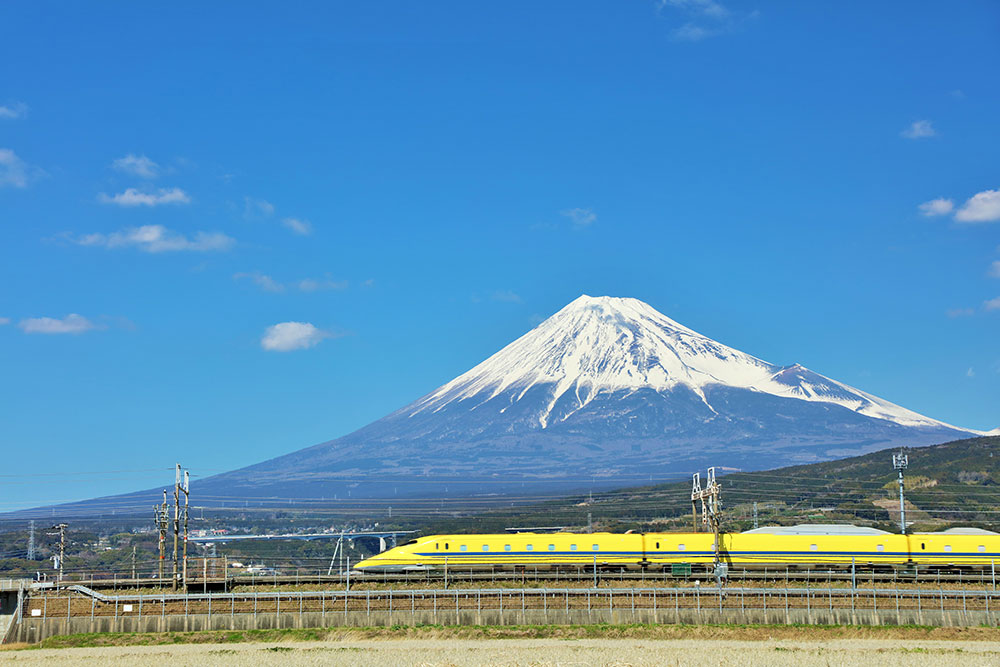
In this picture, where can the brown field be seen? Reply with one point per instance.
(535, 652)
(537, 646)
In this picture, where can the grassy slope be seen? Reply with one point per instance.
(952, 483)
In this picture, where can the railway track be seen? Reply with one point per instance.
(557, 579)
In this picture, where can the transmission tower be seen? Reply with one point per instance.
(31, 540)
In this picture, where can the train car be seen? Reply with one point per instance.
(544, 550)
(811, 545)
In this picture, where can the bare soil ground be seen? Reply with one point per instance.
(536, 652)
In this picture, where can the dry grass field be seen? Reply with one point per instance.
(534, 652)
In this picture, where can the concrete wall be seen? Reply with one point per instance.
(33, 630)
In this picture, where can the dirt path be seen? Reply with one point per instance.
(534, 652)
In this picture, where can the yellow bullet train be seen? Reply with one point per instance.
(825, 545)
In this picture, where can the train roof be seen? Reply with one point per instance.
(961, 530)
(817, 529)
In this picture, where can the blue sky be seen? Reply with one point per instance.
(414, 185)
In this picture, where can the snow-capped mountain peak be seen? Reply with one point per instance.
(597, 345)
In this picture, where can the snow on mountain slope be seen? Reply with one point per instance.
(599, 345)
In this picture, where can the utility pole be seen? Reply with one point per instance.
(134, 579)
(755, 515)
(695, 495)
(61, 527)
(186, 489)
(160, 513)
(177, 522)
(899, 462)
(31, 540)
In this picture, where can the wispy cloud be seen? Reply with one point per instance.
(135, 197)
(300, 227)
(269, 284)
(581, 217)
(935, 207)
(703, 18)
(960, 312)
(995, 269)
(137, 165)
(919, 129)
(71, 324)
(992, 304)
(15, 172)
(288, 336)
(157, 238)
(506, 295)
(13, 111)
(970, 373)
(981, 207)
(321, 284)
(261, 280)
(4, 321)
(257, 209)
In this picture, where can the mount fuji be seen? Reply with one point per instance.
(607, 391)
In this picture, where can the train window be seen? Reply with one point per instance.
(446, 545)
(572, 547)
(437, 546)
(596, 547)
(463, 548)
(506, 547)
(982, 549)
(530, 547)
(681, 547)
(486, 547)
(922, 546)
(879, 547)
(947, 547)
(813, 547)
(552, 547)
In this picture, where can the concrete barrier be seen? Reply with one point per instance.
(33, 630)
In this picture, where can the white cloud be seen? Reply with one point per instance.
(136, 197)
(300, 227)
(939, 206)
(137, 165)
(995, 269)
(4, 320)
(261, 280)
(970, 373)
(257, 209)
(14, 171)
(961, 312)
(506, 296)
(981, 207)
(157, 238)
(581, 217)
(288, 336)
(71, 324)
(14, 111)
(992, 304)
(919, 129)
